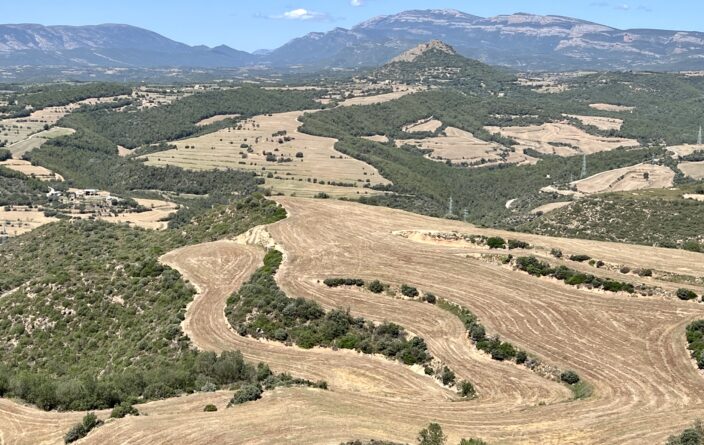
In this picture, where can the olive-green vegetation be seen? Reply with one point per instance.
(430, 435)
(425, 186)
(534, 266)
(134, 127)
(261, 309)
(5, 154)
(651, 217)
(63, 94)
(19, 189)
(695, 339)
(91, 319)
(437, 67)
(693, 435)
(90, 421)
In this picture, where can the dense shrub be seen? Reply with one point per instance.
(447, 376)
(247, 393)
(210, 408)
(336, 282)
(557, 253)
(81, 430)
(432, 435)
(376, 287)
(430, 298)
(686, 294)
(124, 409)
(517, 244)
(466, 389)
(690, 436)
(538, 268)
(472, 442)
(5, 154)
(580, 258)
(409, 291)
(569, 377)
(261, 309)
(496, 242)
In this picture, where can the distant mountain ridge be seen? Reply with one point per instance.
(108, 45)
(520, 41)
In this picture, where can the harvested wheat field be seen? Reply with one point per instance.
(278, 136)
(684, 149)
(602, 123)
(379, 98)
(561, 139)
(694, 170)
(21, 220)
(461, 146)
(36, 140)
(636, 177)
(630, 349)
(429, 124)
(611, 107)
(34, 171)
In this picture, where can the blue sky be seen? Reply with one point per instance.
(251, 25)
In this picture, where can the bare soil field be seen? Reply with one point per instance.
(377, 138)
(602, 123)
(218, 118)
(685, 149)
(278, 135)
(545, 208)
(379, 98)
(636, 177)
(461, 146)
(28, 169)
(630, 349)
(694, 170)
(21, 220)
(611, 107)
(561, 139)
(429, 124)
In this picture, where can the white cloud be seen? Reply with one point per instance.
(356, 2)
(301, 14)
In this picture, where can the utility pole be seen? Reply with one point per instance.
(699, 137)
(449, 206)
(584, 167)
(465, 215)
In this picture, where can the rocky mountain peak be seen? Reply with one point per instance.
(413, 53)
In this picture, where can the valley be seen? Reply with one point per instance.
(361, 244)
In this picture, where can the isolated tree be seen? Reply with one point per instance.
(432, 435)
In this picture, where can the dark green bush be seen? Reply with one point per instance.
(466, 389)
(409, 291)
(124, 409)
(517, 244)
(247, 393)
(580, 258)
(210, 408)
(686, 294)
(447, 376)
(496, 242)
(376, 287)
(569, 377)
(429, 298)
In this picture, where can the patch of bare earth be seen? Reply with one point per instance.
(561, 139)
(546, 208)
(34, 171)
(602, 123)
(461, 146)
(611, 107)
(636, 177)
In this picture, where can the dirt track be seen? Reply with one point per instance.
(632, 350)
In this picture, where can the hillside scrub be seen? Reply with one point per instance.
(81, 430)
(103, 324)
(533, 266)
(261, 309)
(693, 435)
(695, 340)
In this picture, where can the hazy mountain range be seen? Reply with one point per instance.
(521, 41)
